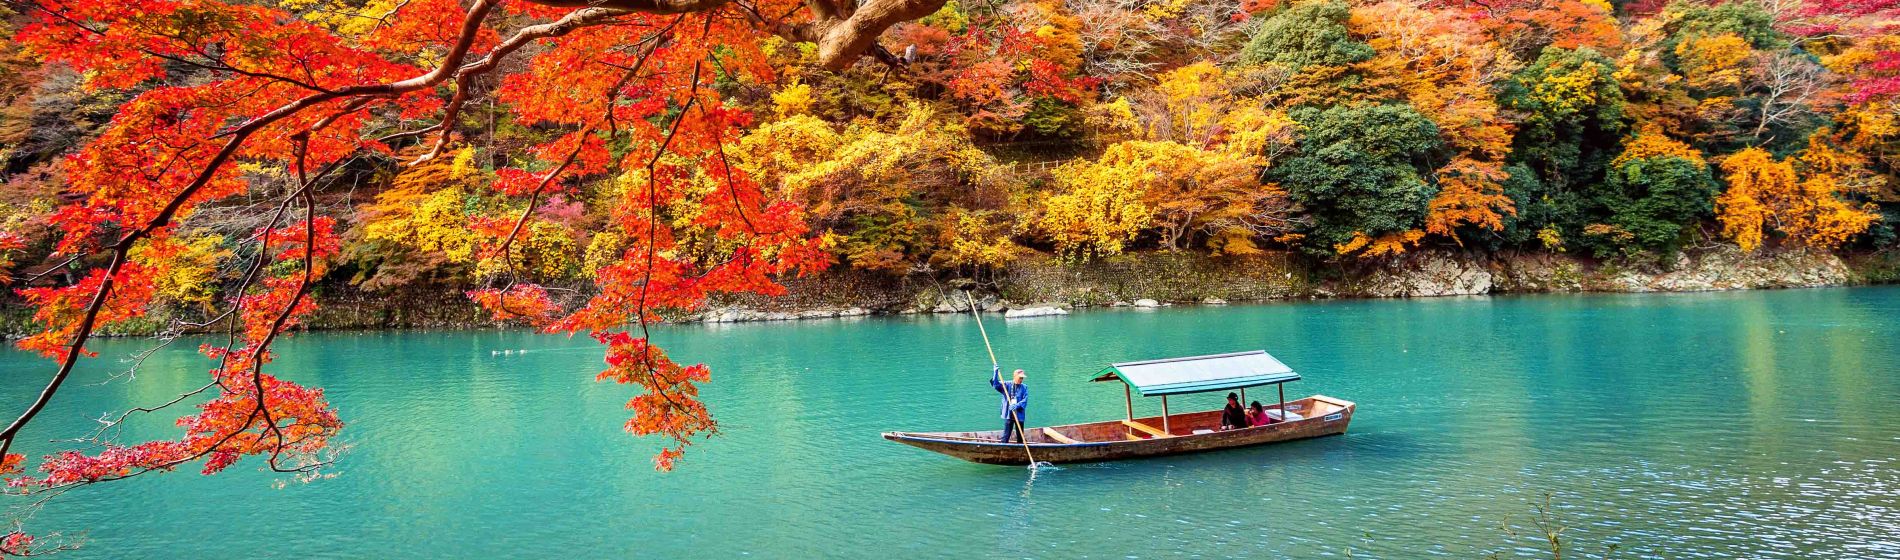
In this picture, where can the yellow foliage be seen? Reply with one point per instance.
(1713, 62)
(1166, 9)
(1874, 124)
(1651, 143)
(1765, 194)
(1114, 118)
(1058, 31)
(973, 240)
(1255, 131)
(1551, 238)
(1825, 221)
(1185, 190)
(795, 99)
(862, 183)
(427, 209)
(1568, 93)
(878, 155)
(187, 275)
(1195, 105)
(604, 249)
(1097, 209)
(463, 165)
(1847, 168)
(542, 249)
(779, 148)
(345, 17)
(949, 18)
(1753, 175)
(438, 221)
(1190, 94)
(1442, 63)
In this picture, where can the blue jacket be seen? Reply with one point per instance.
(1015, 396)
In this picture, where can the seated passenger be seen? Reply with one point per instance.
(1258, 415)
(1233, 417)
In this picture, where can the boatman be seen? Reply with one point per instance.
(1015, 398)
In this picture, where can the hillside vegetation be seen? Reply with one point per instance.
(1091, 127)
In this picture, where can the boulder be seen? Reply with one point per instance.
(1429, 274)
(1211, 300)
(1034, 311)
(1145, 302)
(744, 315)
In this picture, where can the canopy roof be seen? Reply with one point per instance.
(1197, 374)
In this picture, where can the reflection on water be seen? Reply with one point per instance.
(1757, 425)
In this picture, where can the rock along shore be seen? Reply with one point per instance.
(1041, 287)
(1046, 287)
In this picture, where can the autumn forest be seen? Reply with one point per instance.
(581, 166)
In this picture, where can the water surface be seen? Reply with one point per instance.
(1756, 424)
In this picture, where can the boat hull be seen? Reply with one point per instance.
(1113, 440)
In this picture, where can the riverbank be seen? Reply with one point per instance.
(1153, 279)
(1044, 285)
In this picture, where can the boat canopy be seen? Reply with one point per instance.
(1197, 374)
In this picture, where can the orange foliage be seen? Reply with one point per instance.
(1530, 26)
(1385, 245)
(294, 94)
(1765, 194)
(1442, 64)
(1469, 193)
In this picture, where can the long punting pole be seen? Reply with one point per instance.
(1020, 432)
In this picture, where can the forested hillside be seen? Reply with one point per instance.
(1091, 127)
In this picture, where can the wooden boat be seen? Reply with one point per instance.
(1167, 434)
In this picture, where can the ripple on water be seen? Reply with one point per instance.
(1756, 425)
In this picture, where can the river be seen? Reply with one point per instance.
(1723, 425)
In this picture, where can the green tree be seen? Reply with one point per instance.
(1307, 34)
(1684, 20)
(1572, 120)
(1655, 191)
(1360, 171)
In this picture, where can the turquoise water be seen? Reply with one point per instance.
(1759, 425)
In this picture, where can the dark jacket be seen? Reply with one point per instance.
(1234, 416)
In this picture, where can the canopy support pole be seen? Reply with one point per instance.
(1164, 415)
(1282, 387)
(1129, 395)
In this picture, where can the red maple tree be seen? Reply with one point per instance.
(258, 100)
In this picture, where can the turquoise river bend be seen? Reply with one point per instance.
(1730, 425)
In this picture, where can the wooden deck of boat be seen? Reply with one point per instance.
(1141, 437)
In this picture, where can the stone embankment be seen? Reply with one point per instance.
(1721, 268)
(1042, 286)
(1162, 279)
